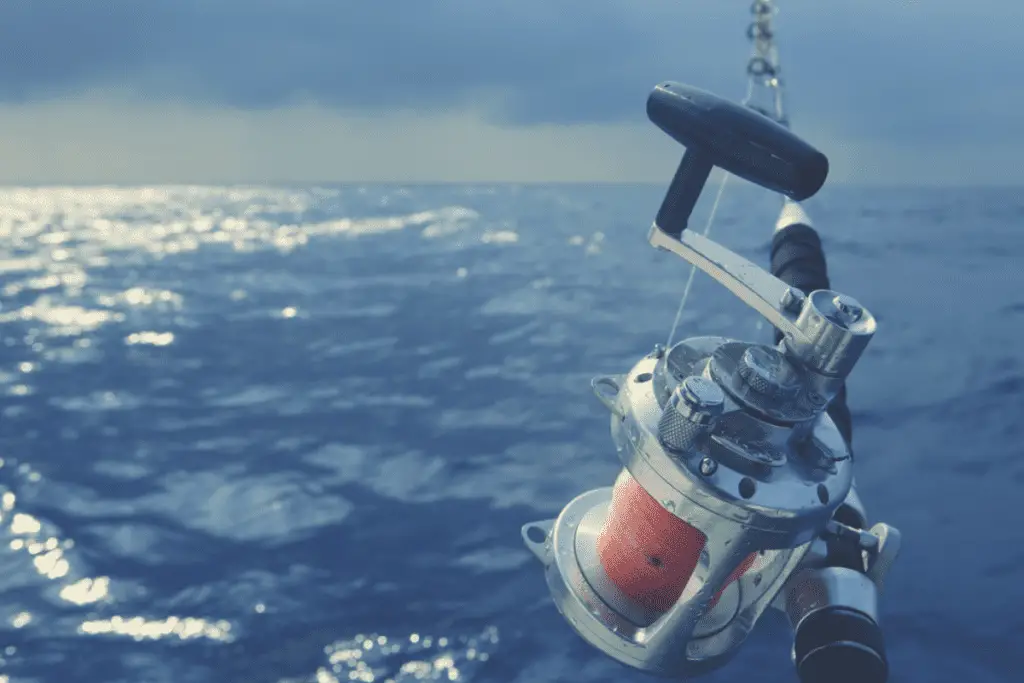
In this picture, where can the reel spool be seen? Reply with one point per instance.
(733, 472)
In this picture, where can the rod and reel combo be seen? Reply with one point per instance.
(737, 490)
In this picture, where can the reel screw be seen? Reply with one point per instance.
(708, 467)
(659, 351)
(690, 413)
(792, 300)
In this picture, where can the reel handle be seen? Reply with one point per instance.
(825, 331)
(717, 132)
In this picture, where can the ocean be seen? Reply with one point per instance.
(284, 434)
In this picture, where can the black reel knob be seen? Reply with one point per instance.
(840, 645)
(717, 132)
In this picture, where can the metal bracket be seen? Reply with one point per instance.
(889, 541)
(607, 388)
(537, 537)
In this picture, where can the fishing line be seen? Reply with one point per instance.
(693, 269)
(763, 75)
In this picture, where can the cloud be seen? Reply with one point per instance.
(870, 63)
(881, 74)
(528, 61)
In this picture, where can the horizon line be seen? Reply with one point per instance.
(98, 184)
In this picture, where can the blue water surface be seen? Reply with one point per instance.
(291, 434)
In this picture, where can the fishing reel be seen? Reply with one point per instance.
(737, 493)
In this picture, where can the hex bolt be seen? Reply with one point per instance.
(708, 467)
(792, 300)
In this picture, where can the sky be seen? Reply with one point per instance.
(206, 91)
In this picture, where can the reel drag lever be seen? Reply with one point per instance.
(736, 492)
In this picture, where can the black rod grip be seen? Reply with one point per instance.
(799, 260)
(687, 184)
(840, 645)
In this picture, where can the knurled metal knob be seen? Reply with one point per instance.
(690, 413)
(767, 372)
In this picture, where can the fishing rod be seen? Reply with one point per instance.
(737, 490)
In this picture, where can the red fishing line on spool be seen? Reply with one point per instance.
(649, 553)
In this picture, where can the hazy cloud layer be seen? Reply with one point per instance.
(901, 87)
(880, 67)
